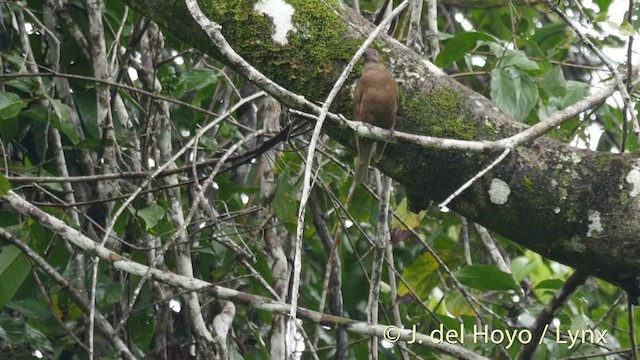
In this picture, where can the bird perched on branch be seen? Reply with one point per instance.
(375, 102)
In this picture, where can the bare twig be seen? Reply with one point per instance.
(632, 328)
(443, 205)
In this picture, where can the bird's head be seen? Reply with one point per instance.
(371, 55)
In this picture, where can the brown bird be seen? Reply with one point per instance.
(375, 102)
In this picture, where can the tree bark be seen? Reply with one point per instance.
(574, 206)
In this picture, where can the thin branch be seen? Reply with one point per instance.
(632, 328)
(379, 251)
(333, 275)
(443, 205)
(432, 34)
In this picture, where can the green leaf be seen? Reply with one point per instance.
(62, 121)
(10, 105)
(31, 309)
(93, 144)
(198, 79)
(5, 186)
(602, 16)
(554, 83)
(456, 48)
(151, 215)
(14, 268)
(515, 58)
(422, 275)
(627, 29)
(553, 284)
(286, 201)
(37, 339)
(576, 91)
(457, 305)
(486, 277)
(208, 144)
(514, 92)
(550, 37)
(522, 266)
(412, 220)
(12, 330)
(85, 102)
(108, 292)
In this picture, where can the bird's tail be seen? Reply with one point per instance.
(366, 148)
(379, 151)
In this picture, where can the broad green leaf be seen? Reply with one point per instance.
(553, 284)
(14, 268)
(208, 144)
(286, 201)
(554, 83)
(85, 102)
(515, 58)
(31, 309)
(5, 186)
(457, 305)
(522, 266)
(63, 121)
(108, 292)
(486, 277)
(627, 29)
(93, 144)
(550, 37)
(151, 215)
(411, 219)
(576, 91)
(12, 330)
(27, 85)
(10, 105)
(514, 91)
(534, 50)
(198, 79)
(456, 48)
(34, 337)
(422, 275)
(602, 16)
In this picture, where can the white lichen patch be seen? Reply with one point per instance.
(575, 158)
(570, 157)
(282, 15)
(595, 224)
(556, 210)
(633, 178)
(499, 192)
